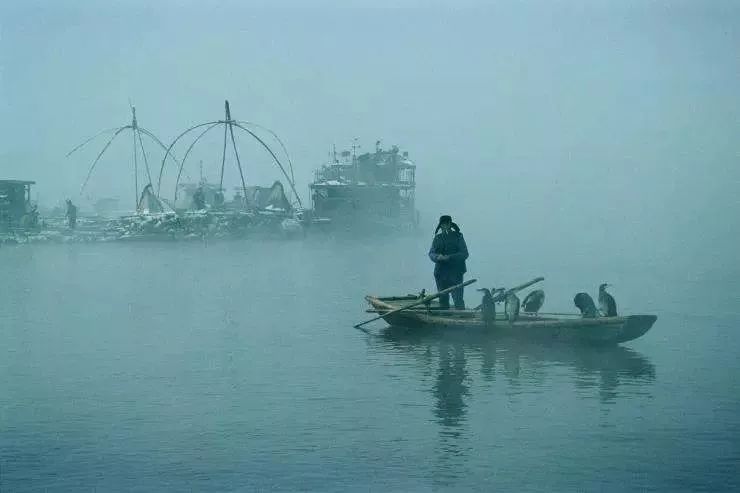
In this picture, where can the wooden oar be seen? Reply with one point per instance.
(515, 289)
(423, 300)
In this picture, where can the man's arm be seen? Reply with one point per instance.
(433, 255)
(462, 250)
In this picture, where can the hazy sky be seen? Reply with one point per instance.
(606, 121)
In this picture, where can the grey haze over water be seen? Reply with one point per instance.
(585, 142)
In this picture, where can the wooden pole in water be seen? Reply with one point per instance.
(423, 300)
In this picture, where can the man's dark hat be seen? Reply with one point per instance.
(445, 219)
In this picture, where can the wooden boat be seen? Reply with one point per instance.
(565, 327)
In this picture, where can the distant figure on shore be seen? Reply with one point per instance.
(30, 220)
(199, 199)
(71, 214)
(218, 199)
(449, 252)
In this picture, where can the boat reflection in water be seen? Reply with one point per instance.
(520, 362)
(501, 379)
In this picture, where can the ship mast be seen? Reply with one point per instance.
(355, 168)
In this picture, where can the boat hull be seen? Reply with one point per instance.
(602, 330)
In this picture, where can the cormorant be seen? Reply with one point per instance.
(585, 303)
(422, 295)
(488, 307)
(533, 301)
(498, 294)
(511, 307)
(607, 305)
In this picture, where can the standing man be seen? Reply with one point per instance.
(199, 199)
(449, 252)
(71, 214)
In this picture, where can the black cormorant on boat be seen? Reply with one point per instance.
(585, 303)
(607, 305)
(488, 307)
(533, 301)
(511, 307)
(498, 294)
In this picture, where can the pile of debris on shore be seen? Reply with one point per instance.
(266, 213)
(203, 224)
(160, 226)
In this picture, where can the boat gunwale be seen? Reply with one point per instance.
(639, 324)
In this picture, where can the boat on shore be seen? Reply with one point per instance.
(563, 327)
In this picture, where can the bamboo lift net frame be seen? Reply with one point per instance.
(138, 144)
(229, 123)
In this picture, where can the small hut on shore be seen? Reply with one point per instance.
(16, 210)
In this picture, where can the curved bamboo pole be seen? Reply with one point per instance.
(155, 139)
(100, 154)
(277, 161)
(159, 142)
(90, 139)
(285, 150)
(169, 149)
(185, 157)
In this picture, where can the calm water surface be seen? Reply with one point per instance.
(234, 366)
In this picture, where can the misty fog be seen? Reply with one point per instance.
(584, 141)
(612, 122)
